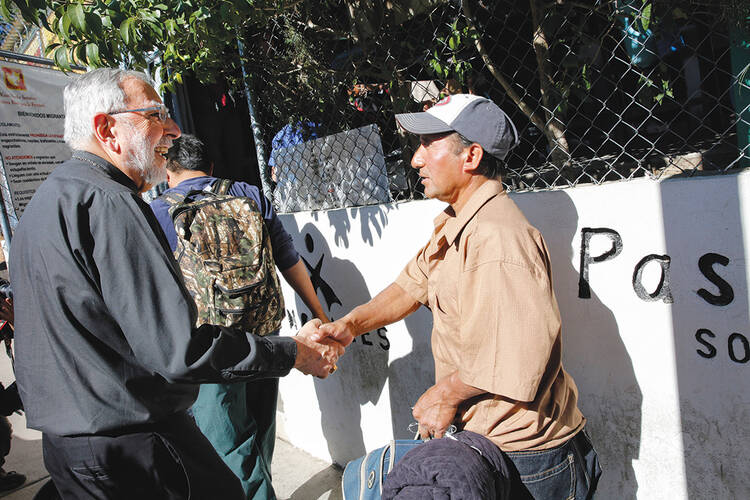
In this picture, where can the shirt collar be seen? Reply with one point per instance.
(195, 181)
(453, 223)
(106, 167)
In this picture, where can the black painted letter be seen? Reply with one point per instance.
(726, 294)
(704, 332)
(584, 290)
(745, 345)
(386, 344)
(663, 291)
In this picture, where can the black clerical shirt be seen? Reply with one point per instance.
(105, 335)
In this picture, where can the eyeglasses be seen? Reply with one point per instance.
(161, 112)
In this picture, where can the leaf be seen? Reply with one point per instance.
(94, 22)
(92, 54)
(646, 16)
(66, 21)
(61, 58)
(38, 4)
(79, 53)
(171, 26)
(77, 17)
(45, 23)
(126, 30)
(146, 15)
(49, 48)
(63, 26)
(4, 11)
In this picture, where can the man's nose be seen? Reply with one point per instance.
(417, 160)
(171, 128)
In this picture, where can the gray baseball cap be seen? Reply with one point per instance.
(474, 117)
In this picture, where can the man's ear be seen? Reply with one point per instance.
(474, 154)
(103, 132)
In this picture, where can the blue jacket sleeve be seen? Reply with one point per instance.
(161, 211)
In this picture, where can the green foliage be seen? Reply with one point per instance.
(193, 35)
(451, 59)
(292, 45)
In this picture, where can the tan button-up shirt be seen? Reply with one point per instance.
(485, 274)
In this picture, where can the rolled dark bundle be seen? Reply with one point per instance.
(468, 467)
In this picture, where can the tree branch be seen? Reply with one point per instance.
(532, 115)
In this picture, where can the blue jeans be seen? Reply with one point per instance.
(570, 471)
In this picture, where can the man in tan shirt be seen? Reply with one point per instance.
(485, 275)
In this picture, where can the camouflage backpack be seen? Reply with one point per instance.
(224, 251)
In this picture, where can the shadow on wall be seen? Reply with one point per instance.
(410, 375)
(371, 218)
(710, 324)
(364, 370)
(593, 351)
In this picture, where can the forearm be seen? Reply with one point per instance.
(299, 280)
(455, 391)
(389, 306)
(437, 407)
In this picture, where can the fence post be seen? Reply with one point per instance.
(256, 126)
(4, 219)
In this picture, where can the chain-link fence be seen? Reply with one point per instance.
(599, 90)
(19, 36)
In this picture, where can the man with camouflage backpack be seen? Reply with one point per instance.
(227, 240)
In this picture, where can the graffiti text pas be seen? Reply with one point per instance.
(737, 345)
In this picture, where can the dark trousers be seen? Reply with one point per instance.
(169, 460)
(240, 422)
(5, 432)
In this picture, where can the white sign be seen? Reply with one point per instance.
(31, 130)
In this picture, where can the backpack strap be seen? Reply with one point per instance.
(221, 186)
(172, 198)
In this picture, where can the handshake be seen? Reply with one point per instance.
(319, 346)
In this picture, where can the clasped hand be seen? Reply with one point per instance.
(316, 355)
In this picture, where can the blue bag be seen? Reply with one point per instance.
(363, 478)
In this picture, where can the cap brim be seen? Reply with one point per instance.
(422, 123)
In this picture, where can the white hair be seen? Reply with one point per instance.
(97, 91)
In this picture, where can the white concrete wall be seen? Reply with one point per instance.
(664, 382)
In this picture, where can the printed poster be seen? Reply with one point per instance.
(31, 131)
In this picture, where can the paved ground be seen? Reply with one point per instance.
(297, 475)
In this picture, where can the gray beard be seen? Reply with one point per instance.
(141, 158)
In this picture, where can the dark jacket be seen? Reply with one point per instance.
(466, 466)
(105, 328)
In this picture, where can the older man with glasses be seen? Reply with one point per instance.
(108, 357)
